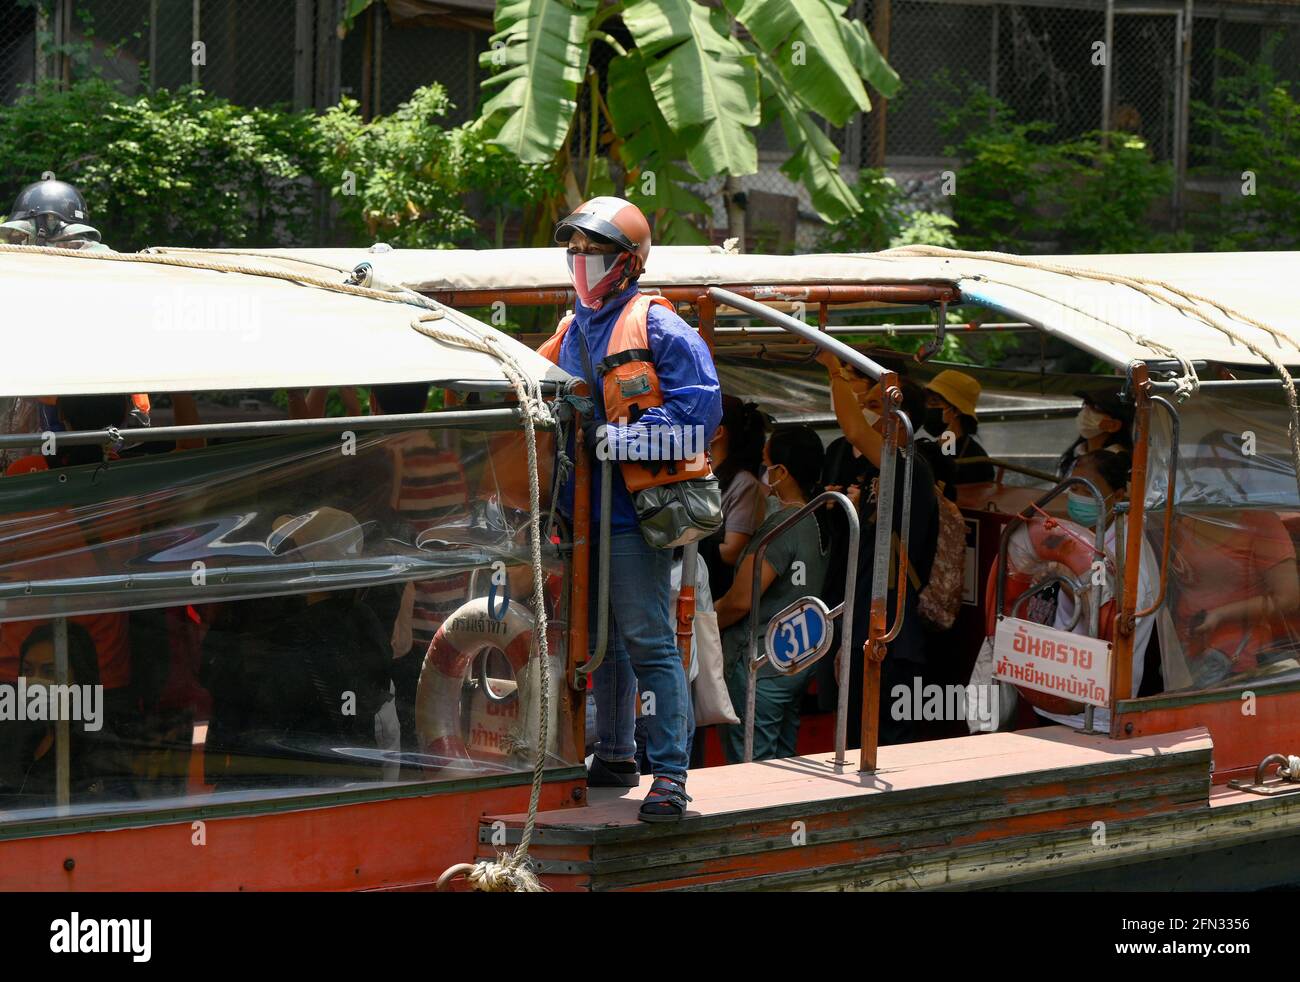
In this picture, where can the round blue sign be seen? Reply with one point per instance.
(798, 635)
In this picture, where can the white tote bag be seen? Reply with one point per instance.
(708, 686)
(990, 703)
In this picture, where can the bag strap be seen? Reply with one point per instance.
(896, 550)
(599, 395)
(625, 358)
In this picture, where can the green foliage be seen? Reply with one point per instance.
(932, 228)
(1017, 190)
(682, 101)
(396, 176)
(883, 221)
(169, 167)
(1002, 181)
(1252, 135)
(1107, 189)
(187, 168)
(403, 178)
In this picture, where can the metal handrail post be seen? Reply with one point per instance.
(905, 529)
(1171, 485)
(602, 581)
(844, 612)
(873, 651)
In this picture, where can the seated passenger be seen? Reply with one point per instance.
(1233, 587)
(1104, 423)
(299, 683)
(794, 566)
(737, 451)
(28, 751)
(1109, 472)
(951, 397)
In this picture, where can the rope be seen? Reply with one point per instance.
(1291, 772)
(1150, 288)
(511, 872)
(156, 259)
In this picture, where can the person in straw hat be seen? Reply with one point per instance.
(950, 402)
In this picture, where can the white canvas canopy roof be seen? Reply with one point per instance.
(1113, 321)
(83, 325)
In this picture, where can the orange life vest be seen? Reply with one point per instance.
(631, 386)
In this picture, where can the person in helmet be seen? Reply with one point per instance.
(52, 214)
(617, 331)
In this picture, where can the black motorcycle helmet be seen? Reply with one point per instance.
(48, 212)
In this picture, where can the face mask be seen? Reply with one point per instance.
(594, 275)
(934, 424)
(1089, 422)
(1082, 509)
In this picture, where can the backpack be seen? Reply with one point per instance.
(940, 600)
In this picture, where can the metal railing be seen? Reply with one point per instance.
(1171, 488)
(844, 612)
(891, 396)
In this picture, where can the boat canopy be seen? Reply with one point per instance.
(1114, 321)
(103, 323)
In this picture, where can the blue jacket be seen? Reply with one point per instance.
(692, 395)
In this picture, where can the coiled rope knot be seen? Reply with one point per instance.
(1290, 771)
(507, 874)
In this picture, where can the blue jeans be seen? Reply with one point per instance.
(641, 653)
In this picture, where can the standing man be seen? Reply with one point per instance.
(652, 378)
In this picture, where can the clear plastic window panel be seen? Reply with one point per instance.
(1231, 616)
(273, 617)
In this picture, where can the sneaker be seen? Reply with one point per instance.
(666, 801)
(613, 773)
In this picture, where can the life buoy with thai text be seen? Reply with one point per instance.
(1046, 547)
(466, 634)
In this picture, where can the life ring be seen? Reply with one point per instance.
(467, 633)
(1040, 548)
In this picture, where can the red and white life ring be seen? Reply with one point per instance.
(467, 633)
(1044, 547)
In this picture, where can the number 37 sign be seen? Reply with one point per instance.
(798, 635)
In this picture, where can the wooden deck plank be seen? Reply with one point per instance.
(801, 781)
(979, 801)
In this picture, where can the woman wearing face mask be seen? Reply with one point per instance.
(737, 451)
(950, 402)
(28, 754)
(794, 566)
(1109, 473)
(1104, 424)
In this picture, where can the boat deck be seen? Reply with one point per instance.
(972, 811)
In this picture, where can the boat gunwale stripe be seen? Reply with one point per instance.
(106, 822)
